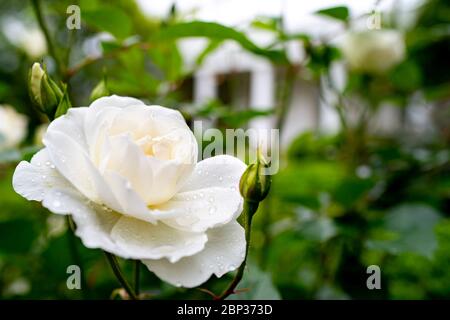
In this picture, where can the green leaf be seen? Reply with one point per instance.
(109, 19)
(406, 76)
(257, 285)
(215, 31)
(64, 104)
(412, 226)
(303, 182)
(340, 13)
(16, 236)
(351, 190)
(320, 229)
(211, 47)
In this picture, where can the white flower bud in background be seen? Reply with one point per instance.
(374, 51)
(13, 127)
(29, 39)
(34, 44)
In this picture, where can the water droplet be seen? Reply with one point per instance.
(212, 210)
(201, 194)
(44, 177)
(206, 173)
(48, 163)
(38, 164)
(220, 178)
(128, 185)
(211, 199)
(56, 204)
(52, 166)
(195, 197)
(199, 172)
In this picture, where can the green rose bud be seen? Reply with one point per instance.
(100, 90)
(44, 92)
(255, 184)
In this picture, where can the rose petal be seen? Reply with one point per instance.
(39, 180)
(130, 202)
(93, 221)
(73, 162)
(33, 180)
(224, 252)
(201, 209)
(143, 240)
(114, 101)
(220, 171)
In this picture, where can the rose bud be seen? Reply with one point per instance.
(44, 92)
(255, 184)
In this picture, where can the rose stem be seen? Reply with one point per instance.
(137, 272)
(51, 48)
(248, 212)
(119, 275)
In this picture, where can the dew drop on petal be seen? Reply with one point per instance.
(212, 210)
(56, 203)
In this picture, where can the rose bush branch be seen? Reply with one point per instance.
(36, 4)
(254, 187)
(119, 275)
(70, 72)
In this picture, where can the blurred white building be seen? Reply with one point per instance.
(257, 78)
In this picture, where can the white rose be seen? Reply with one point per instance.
(128, 174)
(13, 127)
(374, 51)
